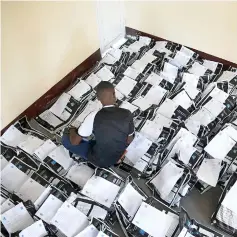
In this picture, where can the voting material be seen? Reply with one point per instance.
(49, 208)
(165, 180)
(37, 229)
(16, 218)
(126, 85)
(131, 72)
(97, 189)
(80, 174)
(209, 171)
(93, 80)
(79, 90)
(69, 220)
(146, 217)
(105, 74)
(60, 105)
(138, 147)
(129, 193)
(13, 137)
(43, 151)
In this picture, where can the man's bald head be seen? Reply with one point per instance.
(105, 93)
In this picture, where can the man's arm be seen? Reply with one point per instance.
(75, 139)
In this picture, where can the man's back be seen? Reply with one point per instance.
(112, 126)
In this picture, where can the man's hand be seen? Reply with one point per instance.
(75, 139)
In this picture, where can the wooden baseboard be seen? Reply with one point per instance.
(226, 64)
(39, 105)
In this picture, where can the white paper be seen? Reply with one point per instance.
(101, 234)
(155, 94)
(162, 120)
(37, 229)
(125, 198)
(214, 107)
(209, 171)
(167, 108)
(185, 134)
(16, 219)
(205, 232)
(230, 199)
(210, 64)
(170, 69)
(174, 224)
(183, 100)
(79, 90)
(43, 151)
(151, 130)
(50, 118)
(187, 51)
(183, 232)
(148, 58)
(92, 106)
(186, 150)
(61, 156)
(30, 190)
(13, 137)
(97, 189)
(219, 146)
(202, 117)
(198, 69)
(109, 59)
(142, 103)
(167, 178)
(126, 105)
(126, 85)
(93, 80)
(4, 162)
(139, 65)
(116, 53)
(190, 79)
(98, 212)
(146, 219)
(145, 40)
(65, 115)
(69, 220)
(180, 59)
(31, 144)
(227, 76)
(140, 165)
(80, 174)
(13, 185)
(227, 216)
(89, 231)
(191, 91)
(119, 95)
(105, 74)
(154, 79)
(138, 147)
(42, 197)
(6, 205)
(132, 73)
(219, 95)
(231, 132)
(135, 47)
(60, 105)
(49, 208)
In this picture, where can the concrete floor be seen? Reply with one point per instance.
(199, 206)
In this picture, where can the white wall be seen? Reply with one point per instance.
(41, 43)
(210, 27)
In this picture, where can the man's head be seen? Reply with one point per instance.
(105, 93)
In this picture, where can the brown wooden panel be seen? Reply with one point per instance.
(39, 105)
(226, 64)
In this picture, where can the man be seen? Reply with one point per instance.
(113, 129)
